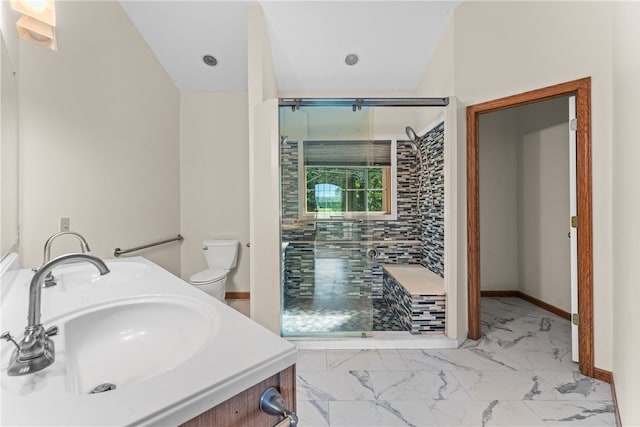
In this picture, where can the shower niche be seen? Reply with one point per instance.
(359, 189)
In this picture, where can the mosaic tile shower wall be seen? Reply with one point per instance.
(325, 263)
(418, 314)
(432, 203)
(396, 242)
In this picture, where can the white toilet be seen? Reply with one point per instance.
(221, 256)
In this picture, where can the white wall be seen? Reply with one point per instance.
(505, 48)
(626, 205)
(498, 157)
(263, 177)
(455, 220)
(544, 261)
(265, 230)
(438, 77)
(214, 179)
(99, 126)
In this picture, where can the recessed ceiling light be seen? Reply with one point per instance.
(210, 60)
(351, 59)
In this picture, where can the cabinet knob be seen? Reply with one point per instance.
(272, 403)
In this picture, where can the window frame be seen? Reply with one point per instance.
(367, 216)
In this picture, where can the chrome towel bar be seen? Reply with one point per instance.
(117, 251)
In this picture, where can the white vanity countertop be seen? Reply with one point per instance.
(239, 354)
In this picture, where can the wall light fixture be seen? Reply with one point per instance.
(38, 23)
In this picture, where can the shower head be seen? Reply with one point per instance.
(411, 133)
(414, 147)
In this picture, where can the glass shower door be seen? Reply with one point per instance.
(337, 302)
(329, 184)
(327, 281)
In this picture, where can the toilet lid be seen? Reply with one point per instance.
(208, 276)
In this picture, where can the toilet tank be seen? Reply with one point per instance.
(221, 254)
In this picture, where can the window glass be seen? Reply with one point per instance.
(341, 190)
(347, 177)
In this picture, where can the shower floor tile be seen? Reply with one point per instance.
(305, 316)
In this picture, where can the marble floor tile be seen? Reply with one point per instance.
(519, 373)
(412, 385)
(369, 360)
(241, 305)
(311, 360)
(313, 413)
(484, 413)
(585, 413)
(380, 413)
(442, 360)
(521, 336)
(330, 386)
(572, 385)
(515, 359)
(504, 385)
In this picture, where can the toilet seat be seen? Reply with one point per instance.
(208, 276)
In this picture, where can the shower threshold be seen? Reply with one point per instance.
(377, 341)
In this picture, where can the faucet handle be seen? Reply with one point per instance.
(51, 331)
(49, 281)
(9, 338)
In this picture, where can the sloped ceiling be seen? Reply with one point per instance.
(309, 41)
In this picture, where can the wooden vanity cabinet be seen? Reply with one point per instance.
(242, 409)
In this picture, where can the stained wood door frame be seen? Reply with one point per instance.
(581, 89)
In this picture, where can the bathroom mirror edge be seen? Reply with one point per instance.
(9, 161)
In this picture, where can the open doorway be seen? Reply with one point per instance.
(581, 90)
(526, 190)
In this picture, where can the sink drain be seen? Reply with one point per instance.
(102, 388)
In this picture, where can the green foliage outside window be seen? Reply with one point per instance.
(345, 189)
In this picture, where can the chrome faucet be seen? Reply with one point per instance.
(84, 247)
(36, 350)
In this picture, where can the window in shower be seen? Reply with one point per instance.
(347, 178)
(339, 190)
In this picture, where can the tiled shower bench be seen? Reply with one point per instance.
(416, 296)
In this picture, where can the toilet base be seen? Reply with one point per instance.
(216, 290)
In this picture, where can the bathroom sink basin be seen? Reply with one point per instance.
(157, 339)
(133, 341)
(83, 276)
